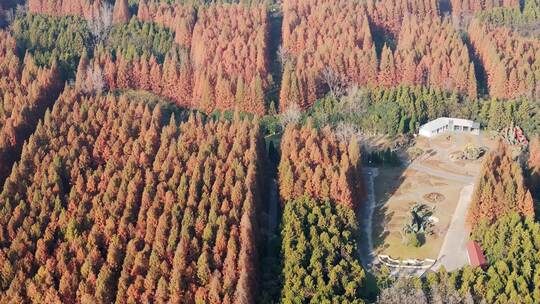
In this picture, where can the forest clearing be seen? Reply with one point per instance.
(433, 179)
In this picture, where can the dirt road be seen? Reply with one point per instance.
(442, 174)
(453, 254)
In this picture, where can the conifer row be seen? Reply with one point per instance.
(115, 202)
(500, 189)
(26, 91)
(314, 162)
(512, 62)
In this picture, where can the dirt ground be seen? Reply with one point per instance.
(433, 172)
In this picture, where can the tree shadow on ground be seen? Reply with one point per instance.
(381, 216)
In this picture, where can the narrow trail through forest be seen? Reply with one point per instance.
(273, 207)
(274, 42)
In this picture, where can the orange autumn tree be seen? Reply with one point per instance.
(171, 79)
(115, 201)
(316, 163)
(388, 15)
(323, 36)
(431, 53)
(26, 91)
(512, 62)
(500, 189)
(229, 55)
(178, 17)
(120, 11)
(88, 9)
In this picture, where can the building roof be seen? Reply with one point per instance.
(476, 255)
(435, 124)
(443, 121)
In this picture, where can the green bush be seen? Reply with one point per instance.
(136, 38)
(413, 239)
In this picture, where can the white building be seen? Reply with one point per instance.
(443, 124)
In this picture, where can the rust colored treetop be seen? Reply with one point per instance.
(178, 17)
(512, 62)
(323, 35)
(231, 39)
(121, 11)
(172, 79)
(114, 203)
(314, 162)
(388, 15)
(500, 190)
(430, 52)
(229, 55)
(26, 90)
(88, 9)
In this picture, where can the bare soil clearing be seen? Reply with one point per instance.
(432, 179)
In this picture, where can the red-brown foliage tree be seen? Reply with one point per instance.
(120, 11)
(501, 189)
(109, 204)
(88, 9)
(315, 163)
(431, 53)
(26, 92)
(180, 18)
(172, 79)
(229, 54)
(322, 35)
(388, 15)
(512, 62)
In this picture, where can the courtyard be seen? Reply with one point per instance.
(433, 176)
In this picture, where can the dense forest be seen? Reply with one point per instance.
(466, 8)
(177, 17)
(26, 91)
(501, 189)
(521, 17)
(317, 163)
(140, 208)
(208, 151)
(229, 54)
(512, 62)
(318, 53)
(429, 52)
(320, 253)
(387, 16)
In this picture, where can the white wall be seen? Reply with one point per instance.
(425, 132)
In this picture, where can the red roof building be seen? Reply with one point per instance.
(476, 255)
